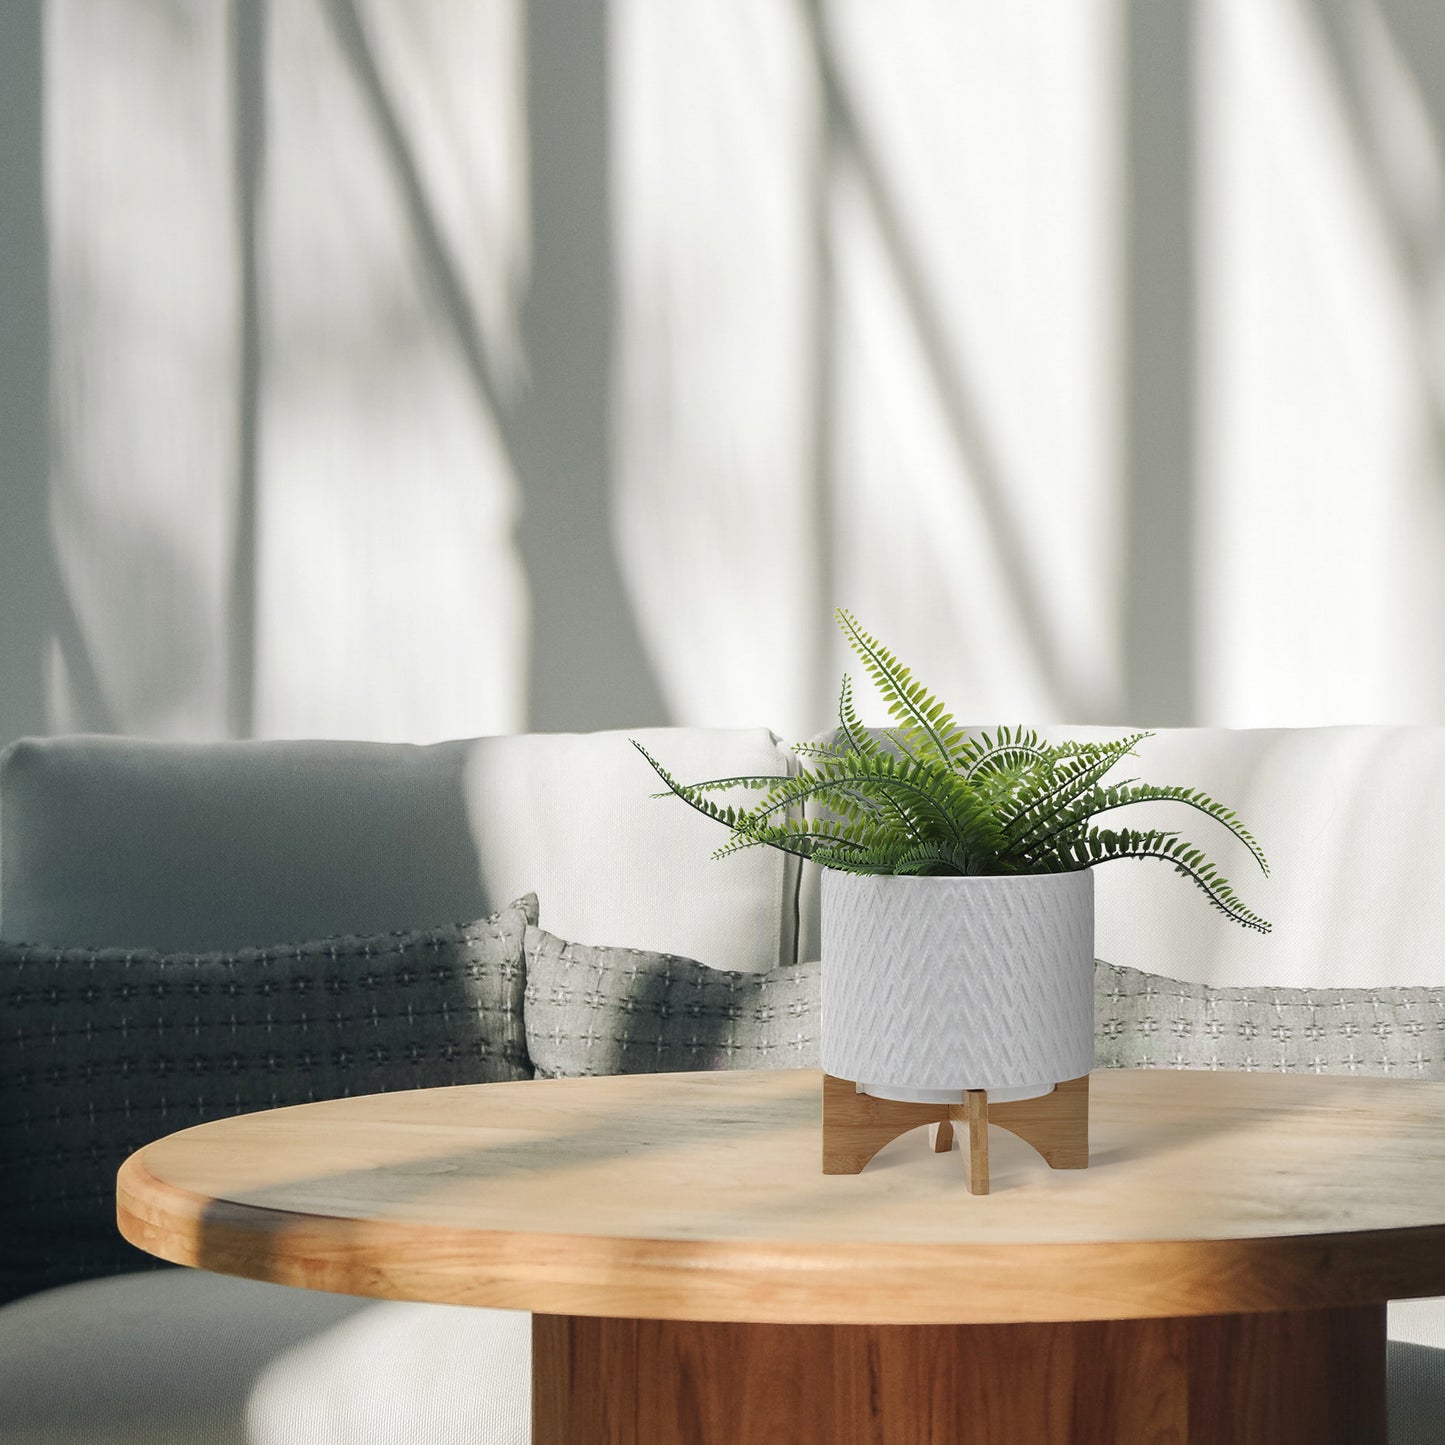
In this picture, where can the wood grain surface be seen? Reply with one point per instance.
(700, 1196)
(1311, 1378)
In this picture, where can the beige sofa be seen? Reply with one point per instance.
(115, 842)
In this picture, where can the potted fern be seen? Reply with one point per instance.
(958, 900)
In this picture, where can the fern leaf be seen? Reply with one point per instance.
(1011, 750)
(729, 817)
(1102, 845)
(1122, 795)
(718, 785)
(853, 730)
(1065, 775)
(921, 715)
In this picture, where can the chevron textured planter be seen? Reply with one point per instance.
(936, 985)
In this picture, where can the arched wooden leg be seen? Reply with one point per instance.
(856, 1126)
(1056, 1124)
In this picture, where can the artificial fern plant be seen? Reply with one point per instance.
(942, 802)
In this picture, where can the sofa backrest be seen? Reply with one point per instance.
(1352, 820)
(110, 841)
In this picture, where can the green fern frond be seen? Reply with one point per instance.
(1122, 795)
(1103, 845)
(819, 750)
(921, 716)
(1009, 749)
(854, 732)
(1065, 775)
(719, 785)
(804, 838)
(924, 860)
(944, 802)
(729, 817)
(924, 801)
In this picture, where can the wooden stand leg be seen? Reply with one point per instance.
(1056, 1124)
(856, 1126)
(1312, 1377)
(974, 1112)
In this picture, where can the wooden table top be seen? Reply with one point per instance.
(701, 1196)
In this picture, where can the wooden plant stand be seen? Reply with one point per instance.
(856, 1126)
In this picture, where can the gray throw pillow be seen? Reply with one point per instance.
(622, 1011)
(1145, 1021)
(104, 1050)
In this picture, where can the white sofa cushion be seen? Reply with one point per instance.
(614, 864)
(187, 1358)
(1351, 822)
(116, 842)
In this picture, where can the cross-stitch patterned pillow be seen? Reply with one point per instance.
(623, 1011)
(1146, 1021)
(104, 1050)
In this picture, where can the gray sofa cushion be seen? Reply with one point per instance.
(102, 1051)
(202, 846)
(1145, 1021)
(1416, 1376)
(592, 1010)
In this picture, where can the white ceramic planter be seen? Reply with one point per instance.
(936, 985)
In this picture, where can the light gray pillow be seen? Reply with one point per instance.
(1146, 1021)
(593, 1010)
(104, 1050)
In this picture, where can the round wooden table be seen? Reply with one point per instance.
(1217, 1276)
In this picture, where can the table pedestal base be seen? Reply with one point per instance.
(1313, 1377)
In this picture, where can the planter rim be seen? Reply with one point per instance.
(900, 880)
